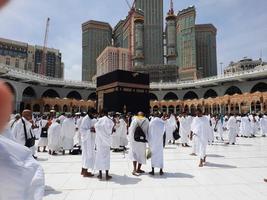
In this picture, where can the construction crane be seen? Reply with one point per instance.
(131, 13)
(42, 70)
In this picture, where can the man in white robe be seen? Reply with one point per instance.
(137, 150)
(43, 141)
(19, 132)
(119, 136)
(199, 128)
(254, 125)
(123, 133)
(13, 121)
(170, 126)
(184, 129)
(67, 134)
(238, 127)
(210, 130)
(54, 137)
(79, 119)
(87, 131)
(155, 139)
(22, 178)
(232, 130)
(217, 127)
(116, 135)
(103, 127)
(245, 126)
(62, 117)
(263, 125)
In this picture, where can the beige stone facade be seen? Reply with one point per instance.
(44, 105)
(238, 103)
(111, 59)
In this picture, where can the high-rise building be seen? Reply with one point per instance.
(118, 34)
(111, 59)
(170, 35)
(186, 44)
(53, 58)
(206, 50)
(133, 37)
(196, 46)
(28, 57)
(96, 36)
(153, 30)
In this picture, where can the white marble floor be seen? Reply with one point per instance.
(232, 173)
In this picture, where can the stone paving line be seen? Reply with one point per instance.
(232, 173)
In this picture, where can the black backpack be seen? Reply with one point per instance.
(29, 142)
(139, 135)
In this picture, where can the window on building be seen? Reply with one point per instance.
(7, 61)
(17, 63)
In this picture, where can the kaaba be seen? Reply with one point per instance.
(123, 91)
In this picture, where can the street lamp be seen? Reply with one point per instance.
(221, 63)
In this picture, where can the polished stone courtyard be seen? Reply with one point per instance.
(231, 173)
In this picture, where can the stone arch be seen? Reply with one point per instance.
(192, 109)
(190, 95)
(153, 97)
(170, 96)
(210, 94)
(56, 108)
(28, 106)
(164, 108)
(65, 108)
(233, 90)
(259, 87)
(258, 106)
(92, 96)
(155, 108)
(171, 109)
(36, 108)
(11, 87)
(178, 109)
(83, 109)
(186, 108)
(74, 95)
(47, 108)
(50, 93)
(28, 94)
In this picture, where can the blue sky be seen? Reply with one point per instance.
(241, 24)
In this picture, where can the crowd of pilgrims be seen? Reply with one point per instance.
(96, 134)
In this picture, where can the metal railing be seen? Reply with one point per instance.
(9, 71)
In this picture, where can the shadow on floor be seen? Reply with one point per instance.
(215, 156)
(245, 145)
(209, 164)
(170, 147)
(124, 180)
(49, 190)
(167, 175)
(42, 159)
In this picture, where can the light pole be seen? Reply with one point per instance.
(221, 63)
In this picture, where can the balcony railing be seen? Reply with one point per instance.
(31, 76)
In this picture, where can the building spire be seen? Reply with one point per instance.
(171, 11)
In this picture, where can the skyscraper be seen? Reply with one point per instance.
(186, 44)
(96, 36)
(29, 57)
(206, 50)
(153, 30)
(170, 32)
